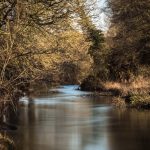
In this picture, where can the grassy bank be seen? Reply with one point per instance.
(132, 94)
(136, 93)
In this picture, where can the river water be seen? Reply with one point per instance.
(70, 120)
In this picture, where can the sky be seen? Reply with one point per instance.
(102, 21)
(98, 16)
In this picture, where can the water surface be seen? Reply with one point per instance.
(70, 120)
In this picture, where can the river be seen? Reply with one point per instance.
(71, 120)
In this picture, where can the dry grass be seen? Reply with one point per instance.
(119, 102)
(140, 86)
(140, 101)
(137, 93)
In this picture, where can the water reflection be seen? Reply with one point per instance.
(71, 121)
(131, 130)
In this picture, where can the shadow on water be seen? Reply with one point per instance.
(131, 130)
(8, 124)
(70, 120)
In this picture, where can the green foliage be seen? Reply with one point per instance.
(97, 39)
(98, 52)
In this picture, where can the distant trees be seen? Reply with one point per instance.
(124, 52)
(94, 35)
(97, 49)
(130, 45)
(70, 62)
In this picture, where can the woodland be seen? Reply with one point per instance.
(57, 42)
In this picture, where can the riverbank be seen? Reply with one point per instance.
(136, 93)
(131, 94)
(6, 143)
(78, 118)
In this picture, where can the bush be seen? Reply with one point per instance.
(140, 101)
(91, 83)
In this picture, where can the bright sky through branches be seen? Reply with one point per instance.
(101, 21)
